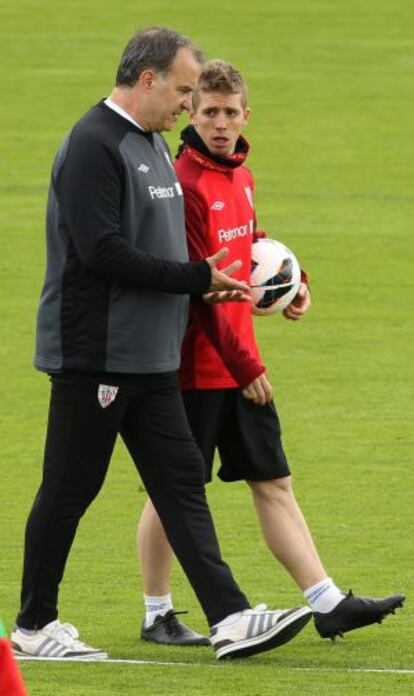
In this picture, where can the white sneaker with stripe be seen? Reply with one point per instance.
(55, 640)
(257, 630)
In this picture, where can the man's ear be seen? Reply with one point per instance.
(247, 113)
(147, 78)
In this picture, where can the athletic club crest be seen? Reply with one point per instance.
(107, 394)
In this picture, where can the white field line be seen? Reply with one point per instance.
(213, 664)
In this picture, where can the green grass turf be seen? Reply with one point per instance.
(333, 154)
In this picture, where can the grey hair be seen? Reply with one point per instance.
(155, 48)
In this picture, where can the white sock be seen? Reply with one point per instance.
(231, 618)
(324, 596)
(156, 606)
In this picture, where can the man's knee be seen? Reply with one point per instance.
(272, 490)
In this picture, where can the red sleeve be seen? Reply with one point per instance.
(211, 318)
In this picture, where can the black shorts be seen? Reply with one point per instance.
(246, 435)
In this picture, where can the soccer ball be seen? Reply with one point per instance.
(275, 276)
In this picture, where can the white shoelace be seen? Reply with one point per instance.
(58, 632)
(260, 607)
(66, 634)
(73, 634)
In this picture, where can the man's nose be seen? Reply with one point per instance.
(220, 121)
(186, 102)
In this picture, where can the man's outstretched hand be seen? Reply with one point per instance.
(224, 288)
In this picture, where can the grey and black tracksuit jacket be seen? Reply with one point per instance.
(115, 231)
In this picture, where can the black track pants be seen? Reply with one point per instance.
(149, 415)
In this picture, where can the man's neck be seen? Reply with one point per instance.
(191, 138)
(126, 102)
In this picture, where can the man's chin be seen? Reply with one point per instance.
(168, 125)
(220, 151)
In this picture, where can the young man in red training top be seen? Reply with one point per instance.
(227, 394)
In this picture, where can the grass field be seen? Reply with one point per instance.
(331, 87)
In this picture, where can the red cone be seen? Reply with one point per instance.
(11, 682)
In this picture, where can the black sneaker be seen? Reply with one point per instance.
(168, 630)
(355, 612)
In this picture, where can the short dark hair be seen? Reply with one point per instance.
(155, 48)
(220, 76)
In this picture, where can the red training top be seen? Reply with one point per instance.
(219, 349)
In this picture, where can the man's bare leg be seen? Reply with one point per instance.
(286, 532)
(155, 554)
(155, 558)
